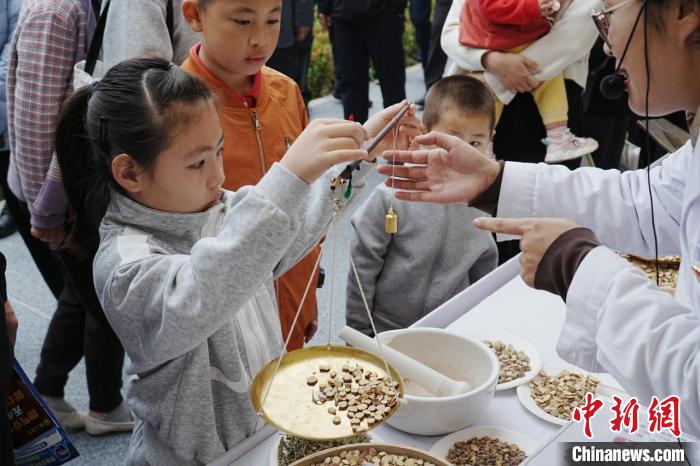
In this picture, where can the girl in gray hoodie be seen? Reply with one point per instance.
(184, 269)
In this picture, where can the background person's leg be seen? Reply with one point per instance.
(419, 11)
(63, 345)
(288, 62)
(384, 37)
(353, 67)
(305, 49)
(104, 355)
(551, 101)
(338, 84)
(434, 66)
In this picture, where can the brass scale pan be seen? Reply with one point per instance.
(290, 407)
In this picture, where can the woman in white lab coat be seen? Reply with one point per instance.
(617, 320)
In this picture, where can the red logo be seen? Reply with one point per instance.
(665, 414)
(586, 413)
(627, 417)
(662, 415)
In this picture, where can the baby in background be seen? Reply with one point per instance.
(511, 26)
(437, 252)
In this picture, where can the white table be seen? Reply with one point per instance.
(501, 302)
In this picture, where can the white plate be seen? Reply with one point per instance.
(443, 446)
(274, 461)
(529, 403)
(519, 344)
(607, 387)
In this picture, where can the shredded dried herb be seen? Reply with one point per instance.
(293, 449)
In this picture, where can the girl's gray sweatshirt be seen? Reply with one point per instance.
(191, 298)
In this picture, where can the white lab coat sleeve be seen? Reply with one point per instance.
(614, 205)
(569, 41)
(618, 321)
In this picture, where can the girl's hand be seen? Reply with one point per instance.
(537, 235)
(409, 127)
(324, 143)
(53, 236)
(454, 172)
(513, 70)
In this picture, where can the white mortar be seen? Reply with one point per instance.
(460, 358)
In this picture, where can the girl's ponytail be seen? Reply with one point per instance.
(133, 110)
(86, 178)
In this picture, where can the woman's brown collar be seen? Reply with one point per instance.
(694, 125)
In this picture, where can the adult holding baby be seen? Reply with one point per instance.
(511, 26)
(616, 319)
(518, 45)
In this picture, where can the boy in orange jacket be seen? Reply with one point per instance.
(261, 111)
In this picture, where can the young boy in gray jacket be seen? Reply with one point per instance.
(437, 252)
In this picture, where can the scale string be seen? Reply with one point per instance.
(393, 166)
(334, 232)
(291, 331)
(369, 314)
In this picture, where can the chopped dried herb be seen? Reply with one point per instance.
(293, 449)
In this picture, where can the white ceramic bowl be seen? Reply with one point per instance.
(461, 358)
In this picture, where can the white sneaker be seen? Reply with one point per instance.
(95, 427)
(66, 415)
(568, 147)
(119, 420)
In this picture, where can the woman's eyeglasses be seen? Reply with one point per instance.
(601, 19)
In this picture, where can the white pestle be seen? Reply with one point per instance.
(435, 382)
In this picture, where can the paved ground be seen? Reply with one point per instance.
(34, 303)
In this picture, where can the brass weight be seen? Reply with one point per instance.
(391, 222)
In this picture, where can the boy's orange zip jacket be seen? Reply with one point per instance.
(258, 129)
